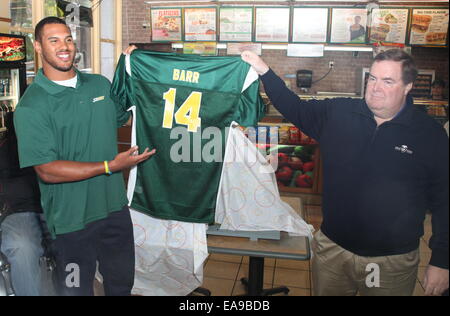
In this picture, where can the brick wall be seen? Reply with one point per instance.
(433, 58)
(136, 17)
(343, 78)
(347, 68)
(135, 14)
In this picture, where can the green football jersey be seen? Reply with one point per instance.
(181, 101)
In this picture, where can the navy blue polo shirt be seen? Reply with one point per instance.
(379, 181)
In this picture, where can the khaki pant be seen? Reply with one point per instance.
(338, 272)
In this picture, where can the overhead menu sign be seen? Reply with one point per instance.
(429, 27)
(389, 25)
(236, 24)
(200, 24)
(272, 24)
(166, 24)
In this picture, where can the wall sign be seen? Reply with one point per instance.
(272, 25)
(200, 24)
(348, 25)
(429, 27)
(166, 24)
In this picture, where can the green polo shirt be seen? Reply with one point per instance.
(54, 122)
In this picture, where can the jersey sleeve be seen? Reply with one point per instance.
(35, 137)
(120, 92)
(251, 107)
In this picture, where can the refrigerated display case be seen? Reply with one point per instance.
(298, 157)
(12, 73)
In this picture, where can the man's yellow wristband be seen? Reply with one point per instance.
(107, 171)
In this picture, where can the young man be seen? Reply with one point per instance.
(66, 125)
(385, 164)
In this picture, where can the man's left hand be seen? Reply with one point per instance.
(435, 281)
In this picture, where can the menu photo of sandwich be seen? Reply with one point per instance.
(12, 48)
(380, 32)
(390, 19)
(436, 37)
(421, 23)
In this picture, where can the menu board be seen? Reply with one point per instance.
(310, 25)
(200, 24)
(272, 24)
(348, 25)
(236, 24)
(429, 27)
(389, 25)
(166, 24)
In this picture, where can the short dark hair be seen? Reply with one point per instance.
(409, 69)
(40, 26)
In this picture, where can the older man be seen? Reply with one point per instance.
(385, 165)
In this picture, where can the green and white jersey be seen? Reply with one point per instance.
(178, 96)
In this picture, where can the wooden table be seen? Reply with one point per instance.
(288, 247)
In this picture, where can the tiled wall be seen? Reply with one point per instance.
(343, 78)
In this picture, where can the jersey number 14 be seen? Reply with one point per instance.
(187, 114)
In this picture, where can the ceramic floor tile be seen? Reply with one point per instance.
(221, 270)
(296, 204)
(293, 264)
(240, 289)
(295, 291)
(98, 288)
(225, 258)
(428, 218)
(268, 273)
(424, 259)
(428, 229)
(268, 262)
(426, 238)
(418, 291)
(316, 225)
(218, 287)
(314, 215)
(295, 278)
(421, 274)
(424, 247)
(311, 207)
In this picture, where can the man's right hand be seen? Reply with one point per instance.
(255, 61)
(129, 158)
(129, 49)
